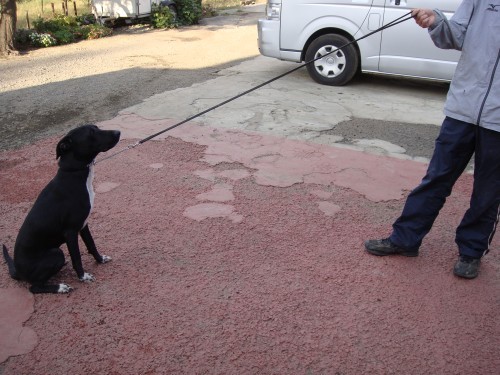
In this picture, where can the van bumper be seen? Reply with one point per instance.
(269, 38)
(269, 41)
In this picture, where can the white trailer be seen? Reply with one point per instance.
(109, 10)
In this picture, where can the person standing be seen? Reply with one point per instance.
(471, 127)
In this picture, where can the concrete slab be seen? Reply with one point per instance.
(16, 307)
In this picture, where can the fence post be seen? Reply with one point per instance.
(53, 9)
(28, 20)
(65, 7)
(74, 6)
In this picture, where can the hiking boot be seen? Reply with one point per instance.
(386, 247)
(467, 267)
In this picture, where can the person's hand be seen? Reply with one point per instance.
(423, 17)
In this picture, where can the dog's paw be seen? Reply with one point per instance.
(105, 259)
(64, 288)
(87, 278)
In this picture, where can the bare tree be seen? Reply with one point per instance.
(8, 20)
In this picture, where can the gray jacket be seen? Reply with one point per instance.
(474, 29)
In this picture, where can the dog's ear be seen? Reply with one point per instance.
(63, 147)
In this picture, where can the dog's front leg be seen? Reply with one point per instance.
(76, 259)
(90, 244)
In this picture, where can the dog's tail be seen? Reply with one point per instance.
(10, 263)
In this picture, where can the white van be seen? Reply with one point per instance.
(303, 30)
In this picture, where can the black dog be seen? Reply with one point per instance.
(60, 213)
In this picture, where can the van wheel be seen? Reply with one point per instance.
(173, 10)
(337, 68)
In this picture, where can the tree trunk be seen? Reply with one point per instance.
(8, 19)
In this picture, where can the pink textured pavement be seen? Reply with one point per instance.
(239, 253)
(16, 306)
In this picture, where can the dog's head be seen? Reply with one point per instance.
(86, 142)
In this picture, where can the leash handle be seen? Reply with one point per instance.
(403, 18)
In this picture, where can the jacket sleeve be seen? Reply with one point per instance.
(450, 34)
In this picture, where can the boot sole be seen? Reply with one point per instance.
(464, 276)
(403, 253)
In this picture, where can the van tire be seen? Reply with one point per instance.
(337, 68)
(173, 10)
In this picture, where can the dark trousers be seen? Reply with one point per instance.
(455, 145)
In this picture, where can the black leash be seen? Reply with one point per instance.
(390, 24)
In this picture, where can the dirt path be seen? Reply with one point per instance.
(49, 90)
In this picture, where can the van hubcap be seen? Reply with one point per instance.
(332, 65)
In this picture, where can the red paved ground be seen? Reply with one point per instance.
(277, 283)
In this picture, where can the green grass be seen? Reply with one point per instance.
(35, 10)
(226, 4)
(222, 4)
